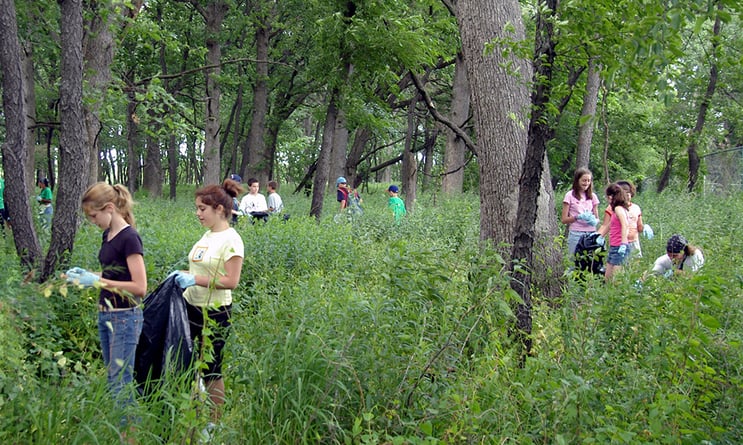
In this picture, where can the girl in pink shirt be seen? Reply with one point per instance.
(580, 208)
(618, 229)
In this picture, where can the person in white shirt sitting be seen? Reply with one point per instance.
(253, 203)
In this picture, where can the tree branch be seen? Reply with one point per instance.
(439, 117)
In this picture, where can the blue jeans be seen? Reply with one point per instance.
(119, 332)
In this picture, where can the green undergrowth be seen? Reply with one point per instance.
(368, 332)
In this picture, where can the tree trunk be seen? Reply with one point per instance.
(540, 132)
(453, 179)
(409, 176)
(132, 142)
(258, 162)
(692, 151)
(98, 54)
(500, 104)
(588, 115)
(29, 93)
(214, 16)
(361, 137)
(665, 176)
(172, 166)
(323, 161)
(74, 155)
(340, 148)
(429, 144)
(153, 171)
(15, 148)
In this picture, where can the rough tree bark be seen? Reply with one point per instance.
(213, 15)
(98, 53)
(74, 155)
(29, 94)
(500, 103)
(15, 148)
(256, 162)
(588, 115)
(323, 161)
(454, 155)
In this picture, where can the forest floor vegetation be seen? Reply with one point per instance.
(369, 332)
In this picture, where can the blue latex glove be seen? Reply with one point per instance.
(184, 279)
(588, 217)
(600, 240)
(668, 273)
(647, 231)
(81, 276)
(622, 249)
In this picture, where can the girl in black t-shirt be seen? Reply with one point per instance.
(122, 282)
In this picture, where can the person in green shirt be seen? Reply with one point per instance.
(396, 204)
(45, 202)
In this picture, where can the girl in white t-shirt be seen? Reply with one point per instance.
(580, 208)
(214, 266)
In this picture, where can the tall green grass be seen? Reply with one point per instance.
(371, 332)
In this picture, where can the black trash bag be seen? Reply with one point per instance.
(589, 255)
(165, 346)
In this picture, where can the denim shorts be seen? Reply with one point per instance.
(615, 258)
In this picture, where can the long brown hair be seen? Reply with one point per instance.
(579, 173)
(215, 195)
(100, 194)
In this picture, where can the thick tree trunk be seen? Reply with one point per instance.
(258, 162)
(588, 115)
(15, 148)
(323, 161)
(214, 16)
(361, 137)
(152, 180)
(74, 155)
(500, 104)
(454, 155)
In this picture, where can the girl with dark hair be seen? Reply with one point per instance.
(680, 256)
(580, 208)
(618, 229)
(215, 262)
